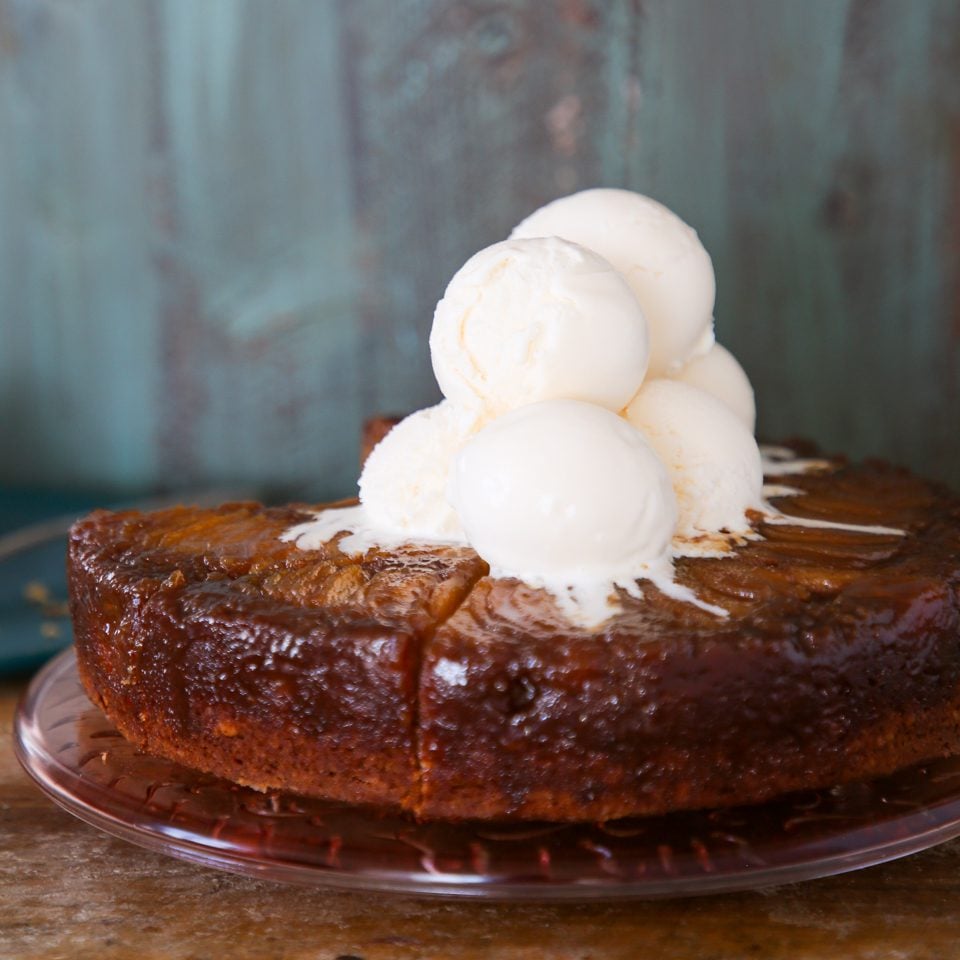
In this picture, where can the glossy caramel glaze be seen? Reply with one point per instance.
(209, 640)
(840, 659)
(412, 678)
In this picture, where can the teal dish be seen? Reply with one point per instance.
(34, 621)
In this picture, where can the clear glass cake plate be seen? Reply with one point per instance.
(80, 761)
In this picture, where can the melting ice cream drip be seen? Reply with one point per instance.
(782, 461)
(589, 603)
(357, 533)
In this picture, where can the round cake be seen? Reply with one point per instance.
(566, 592)
(409, 677)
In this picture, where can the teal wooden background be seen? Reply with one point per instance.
(224, 224)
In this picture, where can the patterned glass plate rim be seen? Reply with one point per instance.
(76, 756)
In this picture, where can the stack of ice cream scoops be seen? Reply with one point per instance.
(592, 429)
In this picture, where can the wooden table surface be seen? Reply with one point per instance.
(67, 890)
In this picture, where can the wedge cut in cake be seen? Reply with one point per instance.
(411, 678)
(209, 641)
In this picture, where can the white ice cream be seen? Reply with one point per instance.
(565, 491)
(660, 256)
(530, 320)
(712, 458)
(719, 373)
(403, 487)
(555, 455)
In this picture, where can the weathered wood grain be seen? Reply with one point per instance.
(67, 890)
(224, 225)
(178, 264)
(464, 118)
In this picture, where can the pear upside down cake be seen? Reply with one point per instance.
(409, 677)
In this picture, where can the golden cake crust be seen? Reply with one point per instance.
(411, 678)
(208, 640)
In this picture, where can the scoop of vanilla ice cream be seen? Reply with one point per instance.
(660, 256)
(530, 320)
(712, 458)
(403, 486)
(566, 490)
(719, 373)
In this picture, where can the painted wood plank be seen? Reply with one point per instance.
(225, 225)
(178, 295)
(464, 118)
(260, 338)
(811, 144)
(78, 382)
